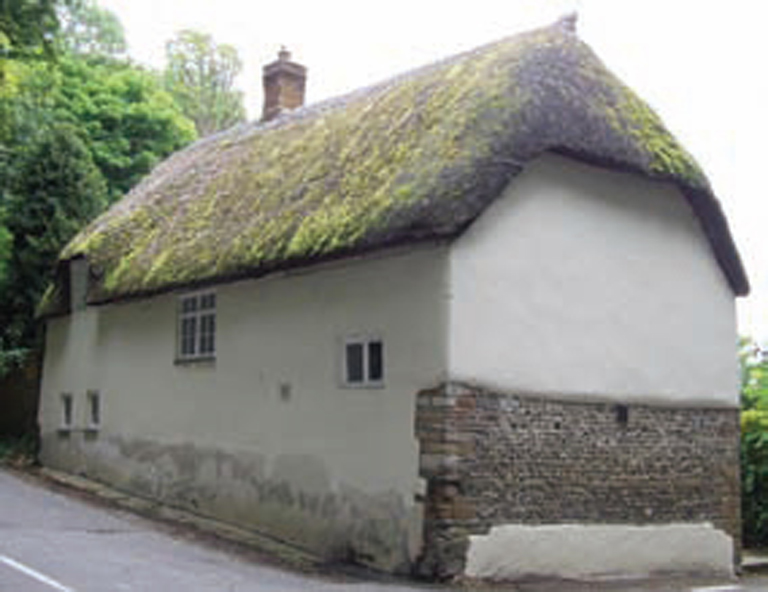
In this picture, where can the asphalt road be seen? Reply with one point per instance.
(51, 541)
(55, 542)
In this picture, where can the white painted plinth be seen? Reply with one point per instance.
(512, 552)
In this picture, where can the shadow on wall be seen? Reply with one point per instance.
(19, 398)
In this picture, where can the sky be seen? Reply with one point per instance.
(700, 65)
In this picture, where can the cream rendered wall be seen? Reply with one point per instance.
(586, 282)
(69, 367)
(282, 330)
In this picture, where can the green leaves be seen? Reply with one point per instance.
(54, 191)
(75, 134)
(87, 29)
(6, 243)
(754, 443)
(27, 27)
(127, 120)
(200, 76)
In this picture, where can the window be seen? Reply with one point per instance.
(67, 411)
(94, 409)
(197, 326)
(363, 362)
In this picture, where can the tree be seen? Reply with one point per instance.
(200, 75)
(56, 190)
(27, 27)
(87, 29)
(128, 122)
(754, 443)
(75, 133)
(6, 240)
(27, 31)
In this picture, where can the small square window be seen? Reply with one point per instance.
(363, 362)
(94, 409)
(197, 326)
(67, 411)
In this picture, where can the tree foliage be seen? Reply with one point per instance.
(6, 243)
(128, 121)
(90, 30)
(200, 75)
(27, 27)
(56, 189)
(75, 133)
(754, 443)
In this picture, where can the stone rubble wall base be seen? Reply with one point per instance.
(495, 460)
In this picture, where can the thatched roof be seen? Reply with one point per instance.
(416, 158)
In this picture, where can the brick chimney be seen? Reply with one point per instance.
(284, 83)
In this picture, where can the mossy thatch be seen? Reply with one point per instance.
(415, 158)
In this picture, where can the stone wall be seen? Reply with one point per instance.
(491, 459)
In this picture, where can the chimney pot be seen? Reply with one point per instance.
(284, 85)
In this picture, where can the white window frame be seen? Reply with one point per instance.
(95, 409)
(364, 340)
(195, 310)
(67, 402)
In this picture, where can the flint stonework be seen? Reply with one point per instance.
(492, 458)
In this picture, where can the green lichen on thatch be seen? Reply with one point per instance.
(668, 157)
(415, 158)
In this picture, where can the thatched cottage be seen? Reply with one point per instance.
(475, 320)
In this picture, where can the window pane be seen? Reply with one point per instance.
(212, 336)
(188, 330)
(189, 304)
(207, 333)
(354, 362)
(208, 301)
(375, 361)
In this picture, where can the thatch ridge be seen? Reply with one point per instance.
(415, 158)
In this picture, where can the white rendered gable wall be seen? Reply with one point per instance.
(580, 281)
